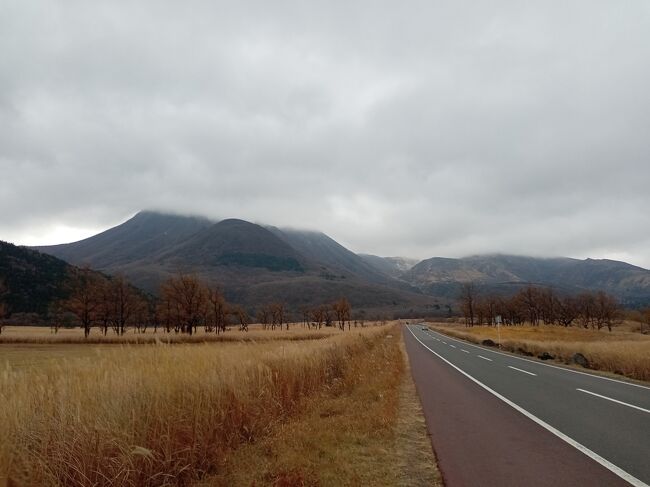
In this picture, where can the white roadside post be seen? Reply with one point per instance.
(498, 321)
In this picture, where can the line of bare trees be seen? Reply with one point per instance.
(3, 306)
(185, 303)
(337, 313)
(105, 303)
(535, 305)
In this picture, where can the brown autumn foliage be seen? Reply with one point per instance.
(3, 306)
(535, 305)
(85, 300)
(185, 303)
(342, 310)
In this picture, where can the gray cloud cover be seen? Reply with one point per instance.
(416, 128)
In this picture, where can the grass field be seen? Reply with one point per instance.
(44, 335)
(309, 411)
(620, 352)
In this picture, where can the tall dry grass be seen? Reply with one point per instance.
(44, 336)
(625, 354)
(158, 414)
(366, 429)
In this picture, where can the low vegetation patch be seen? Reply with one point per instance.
(621, 353)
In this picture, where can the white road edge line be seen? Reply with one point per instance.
(593, 455)
(615, 400)
(485, 358)
(465, 342)
(521, 370)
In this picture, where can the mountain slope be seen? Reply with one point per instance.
(253, 264)
(391, 266)
(147, 233)
(33, 280)
(237, 243)
(329, 254)
(504, 273)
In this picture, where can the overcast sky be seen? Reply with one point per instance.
(417, 128)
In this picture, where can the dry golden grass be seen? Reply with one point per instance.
(618, 352)
(44, 335)
(366, 429)
(160, 414)
(22, 355)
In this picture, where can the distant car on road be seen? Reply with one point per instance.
(425, 328)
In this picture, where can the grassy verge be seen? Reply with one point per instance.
(366, 428)
(626, 354)
(160, 414)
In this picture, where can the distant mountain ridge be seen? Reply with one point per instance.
(257, 264)
(252, 263)
(503, 273)
(392, 266)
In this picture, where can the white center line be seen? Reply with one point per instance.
(444, 342)
(452, 346)
(616, 401)
(485, 358)
(520, 370)
(464, 350)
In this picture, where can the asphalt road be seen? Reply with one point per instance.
(500, 420)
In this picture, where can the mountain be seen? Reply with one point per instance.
(335, 259)
(507, 273)
(237, 243)
(391, 266)
(33, 280)
(145, 234)
(252, 263)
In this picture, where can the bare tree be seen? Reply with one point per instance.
(468, 302)
(586, 309)
(153, 314)
(529, 301)
(242, 317)
(305, 315)
(126, 303)
(218, 308)
(187, 300)
(104, 313)
(342, 309)
(567, 310)
(548, 305)
(645, 318)
(606, 311)
(3, 306)
(84, 299)
(278, 312)
(318, 316)
(327, 315)
(264, 316)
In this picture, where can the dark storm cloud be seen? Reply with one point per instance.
(418, 128)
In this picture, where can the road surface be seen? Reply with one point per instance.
(500, 420)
